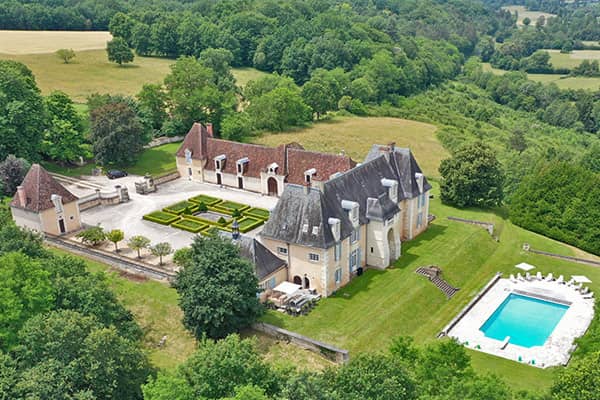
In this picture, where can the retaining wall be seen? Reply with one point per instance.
(97, 199)
(486, 225)
(159, 141)
(168, 177)
(328, 351)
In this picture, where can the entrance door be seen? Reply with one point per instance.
(272, 186)
(219, 181)
(297, 280)
(240, 182)
(61, 225)
(306, 283)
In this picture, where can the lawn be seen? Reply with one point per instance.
(155, 161)
(573, 59)
(368, 313)
(90, 72)
(356, 135)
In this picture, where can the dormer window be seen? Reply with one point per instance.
(352, 208)
(335, 223)
(220, 162)
(188, 156)
(309, 174)
(315, 230)
(419, 179)
(57, 201)
(242, 165)
(272, 168)
(392, 188)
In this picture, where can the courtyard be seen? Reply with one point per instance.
(128, 216)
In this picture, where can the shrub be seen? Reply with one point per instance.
(92, 236)
(161, 217)
(189, 225)
(207, 200)
(222, 221)
(202, 207)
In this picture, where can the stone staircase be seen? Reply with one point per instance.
(433, 274)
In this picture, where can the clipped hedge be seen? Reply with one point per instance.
(256, 212)
(208, 200)
(189, 225)
(179, 208)
(247, 224)
(220, 210)
(161, 217)
(232, 205)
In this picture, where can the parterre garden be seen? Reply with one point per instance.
(205, 215)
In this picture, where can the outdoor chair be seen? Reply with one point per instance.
(549, 277)
(560, 280)
(539, 276)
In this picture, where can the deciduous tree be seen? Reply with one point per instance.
(12, 173)
(115, 236)
(92, 236)
(472, 177)
(65, 54)
(160, 250)
(118, 51)
(138, 243)
(217, 290)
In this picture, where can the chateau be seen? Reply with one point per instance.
(334, 217)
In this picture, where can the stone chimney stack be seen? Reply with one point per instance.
(22, 196)
(209, 129)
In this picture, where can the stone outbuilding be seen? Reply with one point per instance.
(44, 205)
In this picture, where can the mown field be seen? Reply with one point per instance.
(524, 13)
(378, 306)
(32, 42)
(573, 59)
(356, 135)
(90, 72)
(562, 81)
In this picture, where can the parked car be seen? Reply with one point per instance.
(115, 173)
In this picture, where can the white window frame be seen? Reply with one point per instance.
(354, 260)
(282, 250)
(313, 257)
(337, 251)
(338, 276)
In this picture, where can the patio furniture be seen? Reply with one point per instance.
(539, 276)
(520, 277)
(589, 295)
(525, 266)
(512, 278)
(527, 276)
(560, 280)
(549, 277)
(585, 290)
(578, 286)
(571, 281)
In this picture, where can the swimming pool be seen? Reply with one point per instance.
(527, 320)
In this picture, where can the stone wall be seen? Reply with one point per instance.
(328, 351)
(98, 199)
(168, 177)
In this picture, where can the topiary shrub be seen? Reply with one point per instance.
(236, 213)
(222, 221)
(202, 207)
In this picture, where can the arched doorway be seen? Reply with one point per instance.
(298, 280)
(391, 246)
(306, 283)
(272, 186)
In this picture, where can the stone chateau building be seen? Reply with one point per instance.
(334, 217)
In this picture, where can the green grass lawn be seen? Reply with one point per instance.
(373, 309)
(155, 161)
(523, 13)
(356, 135)
(90, 72)
(562, 81)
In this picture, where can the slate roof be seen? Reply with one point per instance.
(265, 262)
(292, 159)
(301, 209)
(39, 186)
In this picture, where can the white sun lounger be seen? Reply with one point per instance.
(527, 276)
(585, 290)
(578, 286)
(512, 278)
(560, 280)
(571, 281)
(549, 277)
(539, 276)
(520, 277)
(589, 295)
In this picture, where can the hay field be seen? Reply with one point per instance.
(524, 13)
(37, 42)
(356, 135)
(562, 81)
(573, 59)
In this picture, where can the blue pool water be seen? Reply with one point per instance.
(527, 320)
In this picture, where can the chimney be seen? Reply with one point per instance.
(209, 129)
(391, 147)
(22, 196)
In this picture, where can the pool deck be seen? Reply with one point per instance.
(557, 348)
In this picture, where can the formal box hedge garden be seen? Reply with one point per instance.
(181, 215)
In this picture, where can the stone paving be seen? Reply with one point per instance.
(128, 216)
(558, 346)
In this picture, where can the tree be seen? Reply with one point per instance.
(279, 109)
(236, 126)
(22, 110)
(138, 243)
(472, 177)
(526, 21)
(517, 141)
(116, 133)
(160, 250)
(63, 139)
(219, 61)
(26, 291)
(12, 173)
(118, 51)
(580, 381)
(121, 26)
(373, 376)
(217, 290)
(318, 97)
(92, 236)
(152, 99)
(115, 236)
(66, 55)
(65, 354)
(168, 387)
